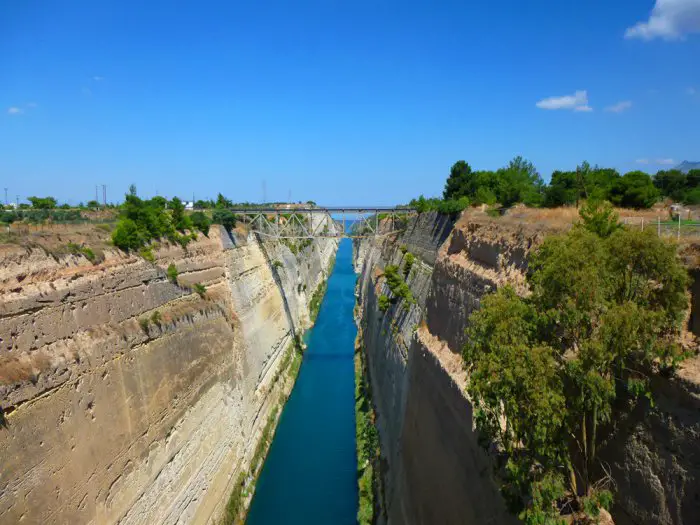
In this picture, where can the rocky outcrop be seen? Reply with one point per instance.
(129, 398)
(435, 470)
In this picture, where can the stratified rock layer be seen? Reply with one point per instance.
(129, 398)
(435, 471)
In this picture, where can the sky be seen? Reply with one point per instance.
(364, 102)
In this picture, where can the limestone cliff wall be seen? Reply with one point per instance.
(128, 398)
(434, 469)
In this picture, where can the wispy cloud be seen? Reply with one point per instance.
(657, 162)
(98, 78)
(14, 110)
(576, 102)
(619, 107)
(670, 20)
(691, 91)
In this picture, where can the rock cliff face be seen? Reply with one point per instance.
(435, 471)
(127, 397)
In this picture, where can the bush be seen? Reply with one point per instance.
(409, 259)
(201, 222)
(127, 236)
(224, 217)
(147, 254)
(172, 273)
(200, 289)
(554, 365)
(384, 303)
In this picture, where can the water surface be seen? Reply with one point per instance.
(309, 476)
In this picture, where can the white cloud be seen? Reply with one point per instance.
(670, 19)
(14, 110)
(691, 91)
(98, 78)
(578, 102)
(657, 162)
(619, 107)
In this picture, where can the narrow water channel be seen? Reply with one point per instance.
(309, 476)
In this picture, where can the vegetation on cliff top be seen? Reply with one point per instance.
(519, 182)
(549, 374)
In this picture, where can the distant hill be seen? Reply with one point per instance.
(686, 166)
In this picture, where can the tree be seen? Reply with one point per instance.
(93, 204)
(223, 202)
(599, 218)
(563, 189)
(180, 221)
(458, 182)
(43, 203)
(224, 217)
(634, 190)
(546, 371)
(518, 182)
(128, 236)
(201, 222)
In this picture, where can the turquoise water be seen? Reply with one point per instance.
(309, 476)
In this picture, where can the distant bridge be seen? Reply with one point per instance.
(288, 222)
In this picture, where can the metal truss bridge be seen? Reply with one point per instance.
(325, 222)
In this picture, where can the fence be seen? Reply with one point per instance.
(678, 229)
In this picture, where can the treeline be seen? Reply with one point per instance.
(143, 221)
(519, 182)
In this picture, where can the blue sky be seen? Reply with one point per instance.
(343, 102)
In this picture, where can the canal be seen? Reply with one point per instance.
(309, 476)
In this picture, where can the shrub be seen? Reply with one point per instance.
(147, 254)
(172, 273)
(554, 364)
(127, 236)
(409, 260)
(200, 289)
(201, 222)
(224, 217)
(155, 318)
(384, 303)
(143, 323)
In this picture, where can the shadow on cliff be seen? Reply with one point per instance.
(278, 282)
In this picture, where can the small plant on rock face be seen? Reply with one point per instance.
(384, 303)
(155, 318)
(172, 273)
(200, 289)
(143, 323)
(147, 254)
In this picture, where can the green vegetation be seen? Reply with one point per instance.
(316, 299)
(143, 323)
(172, 273)
(519, 182)
(86, 252)
(43, 203)
(550, 374)
(144, 221)
(383, 302)
(409, 260)
(367, 440)
(245, 483)
(224, 217)
(156, 318)
(399, 288)
(277, 264)
(200, 289)
(201, 221)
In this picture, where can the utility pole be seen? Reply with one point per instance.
(104, 195)
(6, 197)
(97, 199)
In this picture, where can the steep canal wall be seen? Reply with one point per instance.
(434, 469)
(127, 397)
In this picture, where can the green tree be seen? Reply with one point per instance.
(224, 217)
(93, 205)
(458, 182)
(223, 202)
(43, 203)
(201, 221)
(546, 371)
(599, 218)
(563, 189)
(181, 222)
(128, 236)
(519, 182)
(634, 190)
